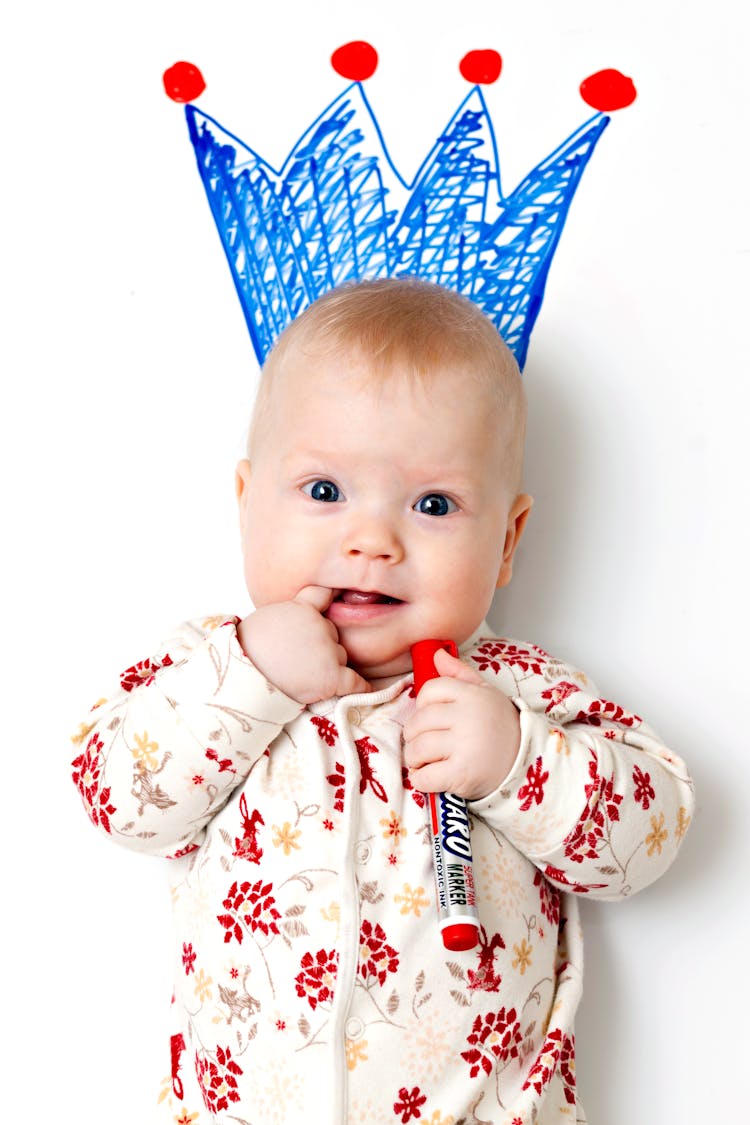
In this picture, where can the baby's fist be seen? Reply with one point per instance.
(464, 735)
(296, 648)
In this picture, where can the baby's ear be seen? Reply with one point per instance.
(241, 481)
(517, 516)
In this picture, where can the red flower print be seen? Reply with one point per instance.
(252, 905)
(549, 898)
(337, 780)
(557, 1054)
(326, 729)
(318, 976)
(601, 809)
(183, 851)
(247, 846)
(568, 1067)
(409, 1103)
(366, 773)
(188, 958)
(644, 790)
(533, 790)
(600, 709)
(176, 1048)
(143, 672)
(495, 1038)
(493, 654)
(419, 798)
(377, 958)
(558, 693)
(224, 764)
(556, 875)
(86, 776)
(217, 1078)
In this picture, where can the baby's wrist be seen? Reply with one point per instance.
(258, 646)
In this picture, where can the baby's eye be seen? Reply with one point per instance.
(323, 490)
(435, 504)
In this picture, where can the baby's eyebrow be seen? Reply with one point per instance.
(308, 458)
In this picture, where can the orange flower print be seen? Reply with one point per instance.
(355, 1052)
(683, 821)
(656, 836)
(522, 958)
(412, 901)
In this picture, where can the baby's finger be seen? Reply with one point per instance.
(433, 716)
(445, 689)
(450, 666)
(334, 633)
(351, 683)
(319, 597)
(432, 746)
(432, 778)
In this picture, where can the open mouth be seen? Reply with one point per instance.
(365, 597)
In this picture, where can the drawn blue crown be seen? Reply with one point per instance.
(338, 210)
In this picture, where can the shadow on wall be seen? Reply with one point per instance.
(546, 577)
(630, 947)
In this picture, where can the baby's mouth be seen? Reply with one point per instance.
(365, 597)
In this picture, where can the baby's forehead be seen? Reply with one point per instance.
(474, 381)
(360, 369)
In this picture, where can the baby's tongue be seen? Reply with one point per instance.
(359, 597)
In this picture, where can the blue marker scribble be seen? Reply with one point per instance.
(339, 210)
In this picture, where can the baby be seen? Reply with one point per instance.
(281, 760)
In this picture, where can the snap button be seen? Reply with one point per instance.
(354, 1027)
(362, 851)
(354, 716)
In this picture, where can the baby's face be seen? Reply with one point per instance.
(390, 494)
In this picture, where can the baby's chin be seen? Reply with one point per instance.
(388, 668)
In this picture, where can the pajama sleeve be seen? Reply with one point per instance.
(161, 756)
(594, 799)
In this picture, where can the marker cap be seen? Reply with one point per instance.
(460, 936)
(423, 659)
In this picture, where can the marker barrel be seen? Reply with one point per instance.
(451, 838)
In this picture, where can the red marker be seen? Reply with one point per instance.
(451, 838)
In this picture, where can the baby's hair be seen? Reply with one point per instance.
(405, 326)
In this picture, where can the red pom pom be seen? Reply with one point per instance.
(608, 90)
(183, 82)
(481, 67)
(357, 60)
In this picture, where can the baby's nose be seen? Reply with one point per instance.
(373, 539)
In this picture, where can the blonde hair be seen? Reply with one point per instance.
(408, 326)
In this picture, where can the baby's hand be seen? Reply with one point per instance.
(297, 649)
(464, 735)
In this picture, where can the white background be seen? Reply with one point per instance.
(127, 380)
